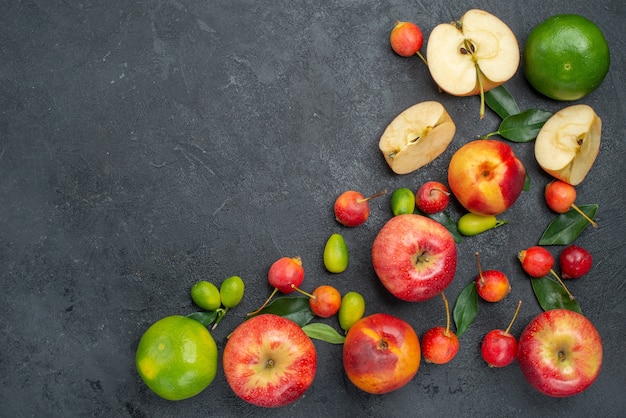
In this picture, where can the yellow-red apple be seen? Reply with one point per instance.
(269, 361)
(414, 257)
(381, 353)
(486, 177)
(560, 353)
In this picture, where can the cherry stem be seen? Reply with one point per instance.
(419, 54)
(294, 287)
(480, 270)
(519, 305)
(264, 304)
(584, 215)
(365, 199)
(445, 302)
(562, 284)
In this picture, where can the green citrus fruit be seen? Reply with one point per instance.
(231, 291)
(336, 256)
(177, 357)
(566, 57)
(351, 309)
(206, 295)
(402, 201)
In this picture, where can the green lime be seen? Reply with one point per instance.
(231, 291)
(402, 201)
(206, 295)
(566, 57)
(177, 357)
(336, 255)
(351, 310)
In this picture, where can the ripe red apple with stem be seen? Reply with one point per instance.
(491, 285)
(406, 40)
(575, 262)
(538, 262)
(352, 208)
(560, 197)
(285, 275)
(269, 361)
(560, 352)
(432, 197)
(414, 257)
(499, 348)
(440, 344)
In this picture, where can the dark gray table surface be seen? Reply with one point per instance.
(148, 145)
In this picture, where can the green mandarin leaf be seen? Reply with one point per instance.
(551, 295)
(566, 227)
(323, 332)
(205, 318)
(465, 308)
(526, 183)
(523, 127)
(446, 220)
(295, 308)
(502, 102)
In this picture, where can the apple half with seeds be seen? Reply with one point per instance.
(472, 55)
(417, 136)
(569, 142)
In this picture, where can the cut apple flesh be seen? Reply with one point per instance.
(568, 143)
(479, 45)
(417, 136)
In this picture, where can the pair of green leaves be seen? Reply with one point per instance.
(516, 126)
(298, 310)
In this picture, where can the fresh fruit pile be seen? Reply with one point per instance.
(269, 359)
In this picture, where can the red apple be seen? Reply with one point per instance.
(406, 39)
(352, 208)
(575, 262)
(486, 177)
(381, 353)
(269, 361)
(560, 353)
(414, 257)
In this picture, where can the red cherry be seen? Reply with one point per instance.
(491, 285)
(432, 197)
(536, 261)
(440, 344)
(352, 209)
(499, 348)
(575, 262)
(286, 274)
(406, 39)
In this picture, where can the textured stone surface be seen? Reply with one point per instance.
(147, 145)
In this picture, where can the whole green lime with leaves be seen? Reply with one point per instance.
(566, 57)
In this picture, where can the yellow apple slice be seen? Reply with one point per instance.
(568, 143)
(417, 136)
(473, 55)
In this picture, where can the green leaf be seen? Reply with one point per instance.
(323, 332)
(526, 183)
(206, 318)
(444, 219)
(566, 227)
(295, 308)
(551, 295)
(465, 308)
(523, 127)
(502, 102)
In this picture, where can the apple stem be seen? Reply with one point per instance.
(584, 215)
(365, 199)
(264, 304)
(562, 284)
(419, 54)
(445, 302)
(479, 76)
(438, 190)
(519, 305)
(294, 287)
(220, 314)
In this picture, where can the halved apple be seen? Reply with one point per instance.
(569, 142)
(472, 55)
(417, 136)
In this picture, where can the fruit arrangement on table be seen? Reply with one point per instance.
(269, 359)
